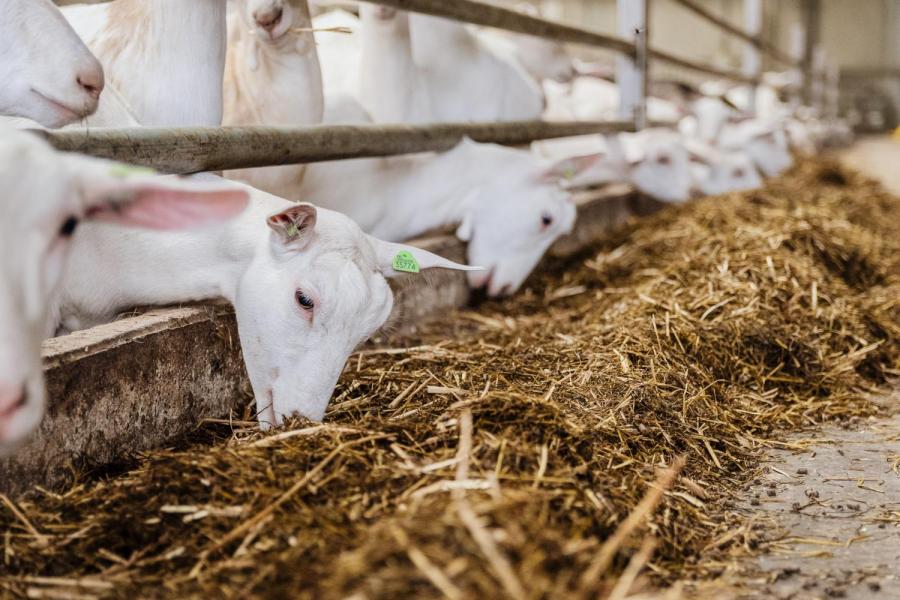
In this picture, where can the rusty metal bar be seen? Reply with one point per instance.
(193, 150)
(684, 63)
(736, 31)
(479, 13)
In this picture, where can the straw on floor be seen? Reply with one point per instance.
(585, 438)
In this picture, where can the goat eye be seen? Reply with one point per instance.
(68, 227)
(546, 219)
(305, 302)
(739, 173)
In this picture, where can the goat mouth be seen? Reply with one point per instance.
(67, 111)
(485, 281)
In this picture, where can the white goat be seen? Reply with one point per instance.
(45, 194)
(505, 203)
(340, 55)
(48, 74)
(272, 77)
(308, 286)
(765, 142)
(655, 161)
(166, 62)
(589, 98)
(417, 69)
(716, 172)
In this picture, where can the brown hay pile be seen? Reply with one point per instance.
(500, 449)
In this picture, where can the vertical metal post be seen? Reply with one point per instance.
(818, 74)
(797, 48)
(833, 90)
(752, 62)
(812, 13)
(631, 71)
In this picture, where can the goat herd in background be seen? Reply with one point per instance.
(303, 254)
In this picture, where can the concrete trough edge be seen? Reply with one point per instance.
(142, 382)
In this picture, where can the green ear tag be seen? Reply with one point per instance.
(405, 262)
(570, 173)
(122, 171)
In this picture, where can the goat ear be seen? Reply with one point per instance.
(136, 197)
(396, 259)
(294, 226)
(569, 168)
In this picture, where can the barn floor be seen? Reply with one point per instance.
(877, 157)
(593, 436)
(844, 539)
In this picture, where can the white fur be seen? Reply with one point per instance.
(44, 65)
(293, 356)
(718, 172)
(417, 69)
(167, 67)
(42, 191)
(339, 53)
(765, 143)
(272, 78)
(589, 98)
(498, 198)
(655, 161)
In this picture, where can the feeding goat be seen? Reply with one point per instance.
(715, 171)
(48, 74)
(45, 194)
(308, 286)
(765, 142)
(654, 161)
(166, 62)
(505, 203)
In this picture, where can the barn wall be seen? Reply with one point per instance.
(859, 33)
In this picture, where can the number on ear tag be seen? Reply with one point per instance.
(405, 262)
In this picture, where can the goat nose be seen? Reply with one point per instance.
(91, 81)
(11, 400)
(269, 19)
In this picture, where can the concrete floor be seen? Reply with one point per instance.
(837, 503)
(878, 157)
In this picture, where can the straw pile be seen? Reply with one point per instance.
(512, 450)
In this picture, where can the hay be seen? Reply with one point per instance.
(512, 450)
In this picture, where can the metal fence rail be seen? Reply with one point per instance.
(193, 150)
(479, 13)
(721, 23)
(190, 150)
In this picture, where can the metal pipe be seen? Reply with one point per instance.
(748, 37)
(193, 150)
(479, 13)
